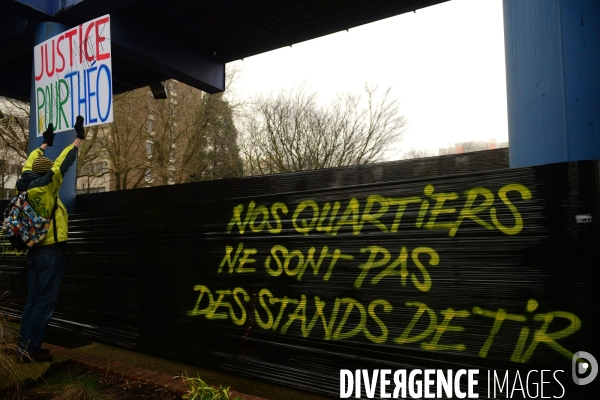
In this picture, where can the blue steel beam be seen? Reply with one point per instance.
(142, 45)
(69, 3)
(19, 41)
(249, 20)
(371, 6)
(49, 7)
(86, 10)
(306, 12)
(331, 24)
(553, 91)
(12, 8)
(190, 24)
(203, 69)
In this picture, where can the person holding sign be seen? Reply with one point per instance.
(42, 179)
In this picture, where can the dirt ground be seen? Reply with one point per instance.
(108, 387)
(113, 388)
(215, 378)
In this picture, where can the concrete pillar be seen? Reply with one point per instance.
(553, 80)
(44, 31)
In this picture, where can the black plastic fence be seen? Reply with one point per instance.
(447, 263)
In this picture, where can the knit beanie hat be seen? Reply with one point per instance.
(41, 165)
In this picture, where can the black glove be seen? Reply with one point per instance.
(49, 135)
(79, 127)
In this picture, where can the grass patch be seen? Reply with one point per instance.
(68, 381)
(13, 373)
(199, 390)
(71, 383)
(240, 384)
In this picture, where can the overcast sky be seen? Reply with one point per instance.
(445, 63)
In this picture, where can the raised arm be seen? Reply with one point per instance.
(48, 141)
(79, 130)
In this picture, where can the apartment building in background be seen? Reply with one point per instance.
(466, 147)
(11, 164)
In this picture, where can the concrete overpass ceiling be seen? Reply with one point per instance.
(189, 40)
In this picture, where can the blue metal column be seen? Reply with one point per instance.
(553, 80)
(44, 31)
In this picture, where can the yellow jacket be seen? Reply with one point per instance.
(42, 191)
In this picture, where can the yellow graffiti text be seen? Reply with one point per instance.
(432, 210)
(208, 306)
(522, 352)
(258, 218)
(7, 249)
(231, 261)
(296, 262)
(345, 318)
(380, 257)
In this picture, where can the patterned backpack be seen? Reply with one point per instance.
(22, 226)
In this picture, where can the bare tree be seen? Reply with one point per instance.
(212, 151)
(14, 134)
(91, 155)
(472, 146)
(292, 132)
(14, 127)
(172, 122)
(480, 145)
(189, 136)
(124, 141)
(417, 153)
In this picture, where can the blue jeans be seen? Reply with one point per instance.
(45, 269)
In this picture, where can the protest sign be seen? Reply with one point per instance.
(73, 76)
